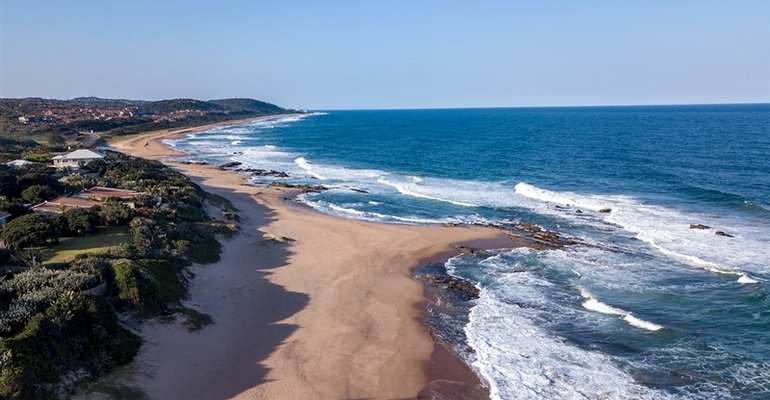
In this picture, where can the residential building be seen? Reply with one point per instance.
(63, 204)
(76, 159)
(85, 199)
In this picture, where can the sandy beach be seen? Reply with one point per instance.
(328, 312)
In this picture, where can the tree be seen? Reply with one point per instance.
(8, 186)
(56, 140)
(77, 222)
(37, 178)
(114, 213)
(15, 208)
(38, 193)
(30, 230)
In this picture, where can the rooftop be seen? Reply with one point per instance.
(80, 154)
(100, 193)
(61, 204)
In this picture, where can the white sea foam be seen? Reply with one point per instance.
(348, 212)
(593, 304)
(640, 323)
(411, 189)
(280, 120)
(519, 360)
(563, 198)
(305, 165)
(747, 279)
(665, 229)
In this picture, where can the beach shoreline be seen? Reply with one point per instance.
(330, 310)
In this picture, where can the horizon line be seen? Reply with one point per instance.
(541, 106)
(410, 108)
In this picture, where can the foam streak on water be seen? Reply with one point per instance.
(595, 305)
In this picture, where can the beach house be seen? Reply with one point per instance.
(86, 200)
(76, 159)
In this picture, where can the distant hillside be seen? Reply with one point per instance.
(40, 119)
(249, 105)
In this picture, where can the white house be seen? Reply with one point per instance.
(76, 159)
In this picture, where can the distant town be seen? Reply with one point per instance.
(22, 118)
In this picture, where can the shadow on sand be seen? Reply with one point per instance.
(227, 357)
(246, 308)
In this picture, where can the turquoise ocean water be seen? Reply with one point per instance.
(655, 310)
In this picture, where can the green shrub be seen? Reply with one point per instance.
(30, 230)
(78, 331)
(136, 288)
(36, 194)
(77, 222)
(167, 274)
(38, 157)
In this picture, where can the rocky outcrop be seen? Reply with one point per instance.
(193, 162)
(473, 251)
(235, 166)
(533, 236)
(303, 188)
(530, 228)
(230, 165)
(605, 210)
(721, 233)
(466, 289)
(266, 172)
(699, 226)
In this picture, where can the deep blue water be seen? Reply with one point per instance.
(656, 310)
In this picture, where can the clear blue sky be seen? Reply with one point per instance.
(390, 54)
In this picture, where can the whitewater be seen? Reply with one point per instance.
(668, 301)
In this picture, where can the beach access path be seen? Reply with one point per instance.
(328, 313)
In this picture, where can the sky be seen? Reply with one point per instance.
(370, 54)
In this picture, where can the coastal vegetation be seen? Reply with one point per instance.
(31, 124)
(70, 281)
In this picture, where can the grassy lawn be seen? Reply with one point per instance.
(101, 241)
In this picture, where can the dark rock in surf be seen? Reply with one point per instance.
(474, 252)
(720, 233)
(538, 238)
(528, 227)
(303, 188)
(605, 210)
(230, 165)
(699, 226)
(267, 172)
(466, 289)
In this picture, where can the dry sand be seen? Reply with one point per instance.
(329, 314)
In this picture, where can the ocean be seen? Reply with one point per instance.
(651, 309)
